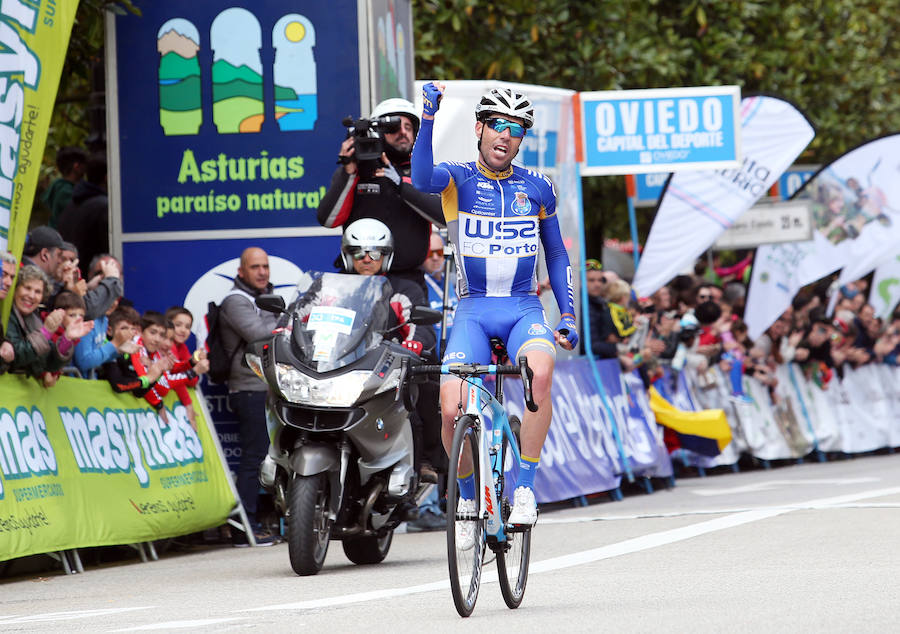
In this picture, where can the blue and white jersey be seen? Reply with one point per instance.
(494, 221)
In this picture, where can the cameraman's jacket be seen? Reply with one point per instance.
(406, 211)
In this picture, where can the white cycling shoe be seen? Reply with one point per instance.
(524, 509)
(465, 529)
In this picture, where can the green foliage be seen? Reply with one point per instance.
(837, 60)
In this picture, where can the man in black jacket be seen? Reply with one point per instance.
(388, 195)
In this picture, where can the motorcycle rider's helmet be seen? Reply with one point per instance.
(505, 101)
(367, 234)
(396, 106)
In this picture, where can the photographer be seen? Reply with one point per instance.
(380, 188)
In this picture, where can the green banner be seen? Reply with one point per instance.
(34, 37)
(83, 466)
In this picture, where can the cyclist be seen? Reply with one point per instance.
(497, 214)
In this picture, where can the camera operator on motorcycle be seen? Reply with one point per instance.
(387, 194)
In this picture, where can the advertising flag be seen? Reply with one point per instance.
(34, 44)
(859, 198)
(885, 293)
(697, 207)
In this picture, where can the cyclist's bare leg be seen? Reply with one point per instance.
(535, 425)
(451, 397)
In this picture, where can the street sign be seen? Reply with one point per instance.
(666, 129)
(767, 223)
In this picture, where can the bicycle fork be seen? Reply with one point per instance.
(480, 409)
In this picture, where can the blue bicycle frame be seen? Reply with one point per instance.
(489, 411)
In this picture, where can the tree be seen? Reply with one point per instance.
(837, 60)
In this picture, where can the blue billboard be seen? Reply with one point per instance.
(669, 129)
(229, 116)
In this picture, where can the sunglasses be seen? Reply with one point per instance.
(359, 254)
(516, 130)
(436, 253)
(593, 265)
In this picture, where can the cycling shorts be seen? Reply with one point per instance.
(519, 321)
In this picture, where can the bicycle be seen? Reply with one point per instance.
(484, 439)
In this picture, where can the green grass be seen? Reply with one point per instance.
(185, 122)
(229, 113)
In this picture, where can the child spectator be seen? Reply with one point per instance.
(73, 307)
(136, 372)
(181, 320)
(100, 346)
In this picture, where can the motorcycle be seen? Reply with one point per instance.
(340, 462)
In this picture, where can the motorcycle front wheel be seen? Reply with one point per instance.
(309, 530)
(367, 550)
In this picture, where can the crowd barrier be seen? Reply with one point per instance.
(592, 445)
(82, 466)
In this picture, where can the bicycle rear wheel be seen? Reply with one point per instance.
(514, 556)
(465, 526)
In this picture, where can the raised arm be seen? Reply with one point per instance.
(425, 176)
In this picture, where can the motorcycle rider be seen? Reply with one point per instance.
(367, 248)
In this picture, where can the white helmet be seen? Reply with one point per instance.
(365, 234)
(397, 106)
(507, 102)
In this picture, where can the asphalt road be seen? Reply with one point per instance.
(805, 548)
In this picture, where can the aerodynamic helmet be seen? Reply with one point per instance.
(364, 235)
(397, 106)
(505, 101)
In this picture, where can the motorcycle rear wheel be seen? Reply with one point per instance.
(309, 531)
(367, 550)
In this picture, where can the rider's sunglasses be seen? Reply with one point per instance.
(498, 125)
(358, 253)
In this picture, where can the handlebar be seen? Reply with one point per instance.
(464, 370)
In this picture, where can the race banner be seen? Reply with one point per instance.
(697, 206)
(34, 41)
(81, 466)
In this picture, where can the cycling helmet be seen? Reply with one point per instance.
(507, 102)
(367, 233)
(397, 106)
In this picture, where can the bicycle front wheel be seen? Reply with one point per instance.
(465, 525)
(514, 555)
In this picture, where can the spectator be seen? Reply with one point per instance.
(102, 345)
(130, 371)
(85, 220)
(7, 277)
(602, 329)
(388, 195)
(67, 275)
(181, 320)
(242, 323)
(36, 350)
(104, 285)
(42, 249)
(71, 163)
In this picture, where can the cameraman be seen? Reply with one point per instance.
(388, 194)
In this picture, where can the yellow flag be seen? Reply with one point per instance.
(34, 41)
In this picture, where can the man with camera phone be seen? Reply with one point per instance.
(373, 181)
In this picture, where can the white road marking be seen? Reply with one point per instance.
(778, 484)
(179, 625)
(67, 616)
(628, 546)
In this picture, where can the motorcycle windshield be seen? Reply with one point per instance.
(337, 318)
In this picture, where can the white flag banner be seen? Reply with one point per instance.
(885, 293)
(859, 199)
(697, 206)
(773, 284)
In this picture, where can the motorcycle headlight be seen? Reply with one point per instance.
(255, 364)
(340, 391)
